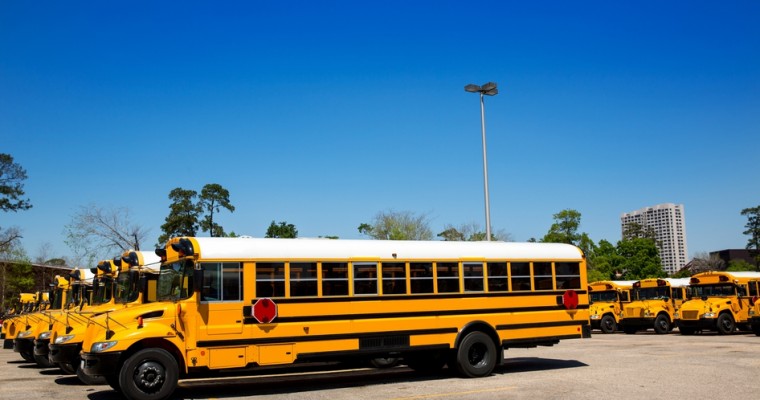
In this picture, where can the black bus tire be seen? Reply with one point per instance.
(608, 324)
(149, 374)
(476, 355)
(662, 324)
(725, 324)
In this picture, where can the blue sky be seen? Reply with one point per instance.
(322, 114)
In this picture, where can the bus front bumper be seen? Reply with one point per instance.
(23, 346)
(702, 323)
(100, 364)
(41, 347)
(8, 344)
(65, 353)
(638, 323)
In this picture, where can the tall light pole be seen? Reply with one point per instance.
(488, 89)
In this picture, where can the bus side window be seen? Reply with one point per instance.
(473, 277)
(270, 279)
(520, 272)
(421, 277)
(497, 277)
(394, 277)
(210, 284)
(334, 279)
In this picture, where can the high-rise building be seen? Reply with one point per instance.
(669, 226)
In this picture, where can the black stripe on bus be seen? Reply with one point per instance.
(540, 325)
(408, 297)
(438, 313)
(314, 338)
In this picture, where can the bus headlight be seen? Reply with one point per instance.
(676, 315)
(44, 336)
(595, 316)
(102, 346)
(708, 315)
(63, 339)
(23, 334)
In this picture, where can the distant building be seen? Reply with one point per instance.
(734, 255)
(669, 226)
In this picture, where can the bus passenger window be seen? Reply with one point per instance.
(421, 277)
(394, 278)
(497, 277)
(568, 275)
(448, 277)
(334, 279)
(270, 279)
(473, 277)
(365, 278)
(542, 276)
(520, 273)
(303, 279)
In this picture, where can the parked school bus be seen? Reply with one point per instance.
(754, 302)
(24, 304)
(654, 305)
(70, 291)
(228, 303)
(607, 299)
(136, 273)
(719, 301)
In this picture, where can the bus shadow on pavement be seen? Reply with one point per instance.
(530, 364)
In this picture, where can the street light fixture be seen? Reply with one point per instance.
(488, 89)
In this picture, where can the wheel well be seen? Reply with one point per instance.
(478, 326)
(665, 314)
(155, 343)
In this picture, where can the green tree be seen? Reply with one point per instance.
(753, 230)
(12, 176)
(470, 232)
(740, 265)
(183, 215)
(15, 276)
(212, 199)
(565, 228)
(640, 259)
(398, 225)
(282, 230)
(605, 262)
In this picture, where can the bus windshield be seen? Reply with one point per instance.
(127, 287)
(653, 293)
(713, 290)
(103, 290)
(175, 281)
(607, 295)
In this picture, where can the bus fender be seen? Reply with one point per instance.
(478, 326)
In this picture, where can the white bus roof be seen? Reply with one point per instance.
(266, 248)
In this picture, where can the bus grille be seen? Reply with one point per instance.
(690, 315)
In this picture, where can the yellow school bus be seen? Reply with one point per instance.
(227, 303)
(24, 304)
(719, 301)
(607, 299)
(654, 305)
(122, 282)
(70, 291)
(754, 302)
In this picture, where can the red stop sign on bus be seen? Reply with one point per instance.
(570, 300)
(264, 310)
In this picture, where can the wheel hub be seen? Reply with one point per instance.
(150, 376)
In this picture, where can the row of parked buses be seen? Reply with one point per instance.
(210, 305)
(719, 301)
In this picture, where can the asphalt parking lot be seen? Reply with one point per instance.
(644, 365)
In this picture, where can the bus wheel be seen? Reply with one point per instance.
(725, 324)
(42, 361)
(113, 381)
(476, 355)
(608, 324)
(67, 368)
(661, 324)
(384, 362)
(27, 356)
(149, 374)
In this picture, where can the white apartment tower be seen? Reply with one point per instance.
(668, 223)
